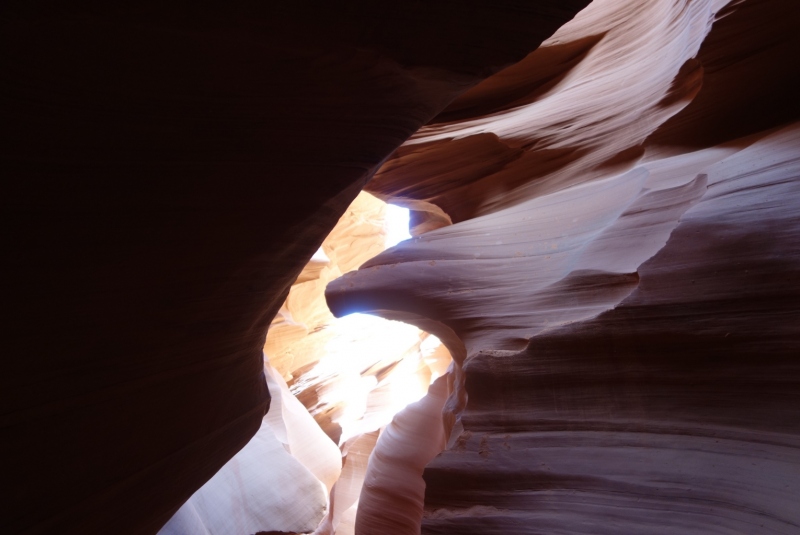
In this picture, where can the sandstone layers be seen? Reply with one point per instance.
(613, 260)
(607, 244)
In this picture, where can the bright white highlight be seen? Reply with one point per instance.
(396, 225)
(366, 343)
(371, 368)
(352, 374)
(320, 257)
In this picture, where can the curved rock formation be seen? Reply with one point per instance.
(342, 369)
(391, 499)
(612, 75)
(352, 382)
(675, 412)
(169, 170)
(278, 479)
(608, 241)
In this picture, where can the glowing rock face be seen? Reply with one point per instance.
(392, 497)
(367, 370)
(577, 109)
(334, 364)
(276, 480)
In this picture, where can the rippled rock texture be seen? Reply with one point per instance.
(168, 170)
(608, 240)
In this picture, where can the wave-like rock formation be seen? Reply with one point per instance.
(677, 411)
(394, 474)
(168, 170)
(607, 241)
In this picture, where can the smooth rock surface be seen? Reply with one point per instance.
(278, 480)
(394, 474)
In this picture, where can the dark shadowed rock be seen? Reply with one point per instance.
(167, 172)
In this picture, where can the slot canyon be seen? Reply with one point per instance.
(213, 327)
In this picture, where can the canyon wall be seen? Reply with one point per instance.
(608, 240)
(168, 170)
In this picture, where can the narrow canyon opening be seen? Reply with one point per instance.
(338, 385)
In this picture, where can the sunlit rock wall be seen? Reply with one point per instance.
(608, 244)
(278, 482)
(353, 375)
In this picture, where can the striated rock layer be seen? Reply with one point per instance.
(608, 246)
(678, 411)
(394, 474)
(608, 243)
